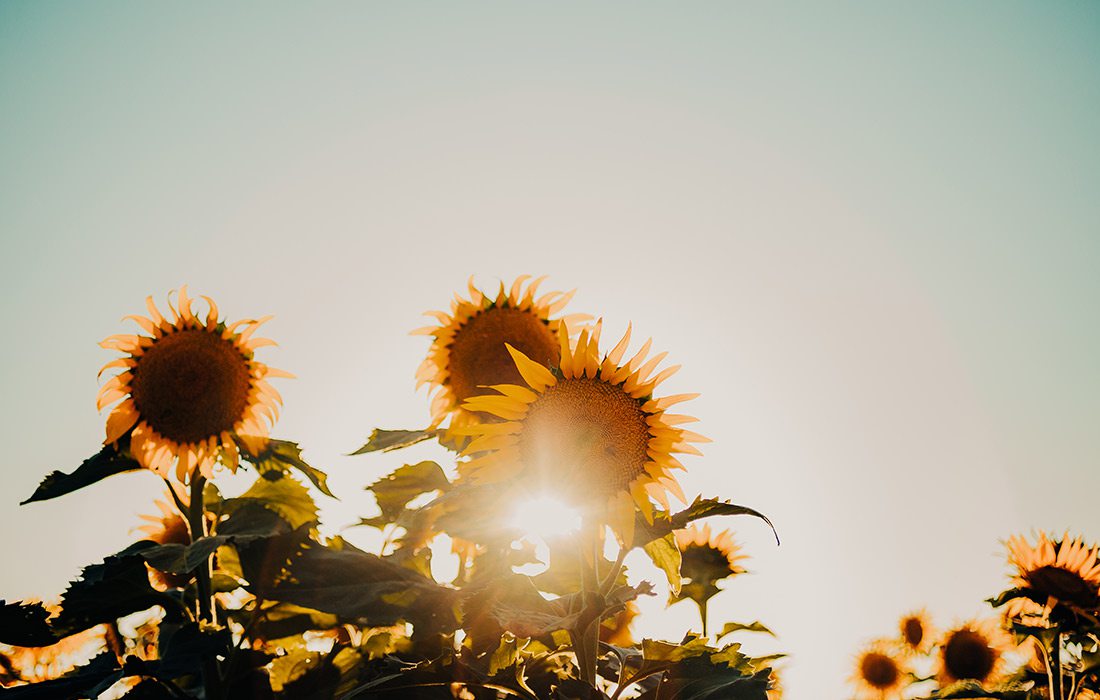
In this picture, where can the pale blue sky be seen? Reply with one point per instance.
(870, 235)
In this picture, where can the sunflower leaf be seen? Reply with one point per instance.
(386, 440)
(24, 625)
(731, 627)
(284, 496)
(82, 682)
(107, 462)
(974, 689)
(664, 553)
(394, 491)
(282, 455)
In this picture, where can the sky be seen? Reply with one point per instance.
(869, 235)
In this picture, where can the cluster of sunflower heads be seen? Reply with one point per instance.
(232, 589)
(1045, 644)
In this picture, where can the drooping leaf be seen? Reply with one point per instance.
(280, 455)
(107, 462)
(731, 627)
(664, 553)
(386, 440)
(664, 523)
(394, 491)
(24, 625)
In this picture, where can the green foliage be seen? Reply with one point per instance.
(731, 627)
(281, 455)
(24, 624)
(664, 553)
(107, 462)
(394, 491)
(388, 440)
(664, 523)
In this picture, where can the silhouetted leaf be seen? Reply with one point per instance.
(24, 625)
(105, 463)
(395, 490)
(663, 523)
(386, 440)
(149, 689)
(282, 455)
(105, 592)
(731, 627)
(973, 689)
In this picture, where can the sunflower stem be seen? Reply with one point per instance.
(703, 616)
(196, 521)
(1056, 667)
(586, 641)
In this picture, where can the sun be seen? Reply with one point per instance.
(191, 392)
(591, 429)
(545, 517)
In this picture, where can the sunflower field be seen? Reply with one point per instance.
(245, 595)
(1044, 643)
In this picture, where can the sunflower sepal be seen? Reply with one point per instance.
(114, 458)
(381, 440)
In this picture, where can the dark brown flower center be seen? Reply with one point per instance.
(478, 357)
(968, 655)
(1063, 585)
(879, 670)
(585, 436)
(912, 630)
(704, 564)
(191, 385)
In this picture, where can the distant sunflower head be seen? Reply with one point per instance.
(616, 628)
(880, 670)
(168, 527)
(1064, 571)
(708, 557)
(916, 631)
(467, 354)
(190, 389)
(590, 429)
(974, 651)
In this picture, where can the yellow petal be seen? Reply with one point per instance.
(536, 376)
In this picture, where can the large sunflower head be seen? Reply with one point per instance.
(467, 354)
(708, 557)
(190, 389)
(974, 651)
(880, 671)
(590, 429)
(916, 631)
(1064, 571)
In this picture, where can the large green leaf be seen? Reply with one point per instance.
(107, 462)
(24, 625)
(395, 490)
(386, 440)
(664, 553)
(284, 496)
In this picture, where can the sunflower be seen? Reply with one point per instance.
(167, 528)
(189, 390)
(1064, 571)
(707, 557)
(916, 631)
(973, 650)
(616, 628)
(880, 670)
(591, 429)
(467, 352)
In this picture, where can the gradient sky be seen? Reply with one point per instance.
(871, 237)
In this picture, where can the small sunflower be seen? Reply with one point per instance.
(880, 670)
(591, 429)
(616, 629)
(916, 631)
(467, 352)
(1066, 571)
(974, 651)
(167, 528)
(189, 390)
(708, 557)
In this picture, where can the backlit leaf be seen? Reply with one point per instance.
(107, 462)
(386, 440)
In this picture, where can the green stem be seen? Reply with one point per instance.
(1056, 667)
(703, 616)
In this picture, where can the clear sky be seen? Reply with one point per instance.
(871, 236)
